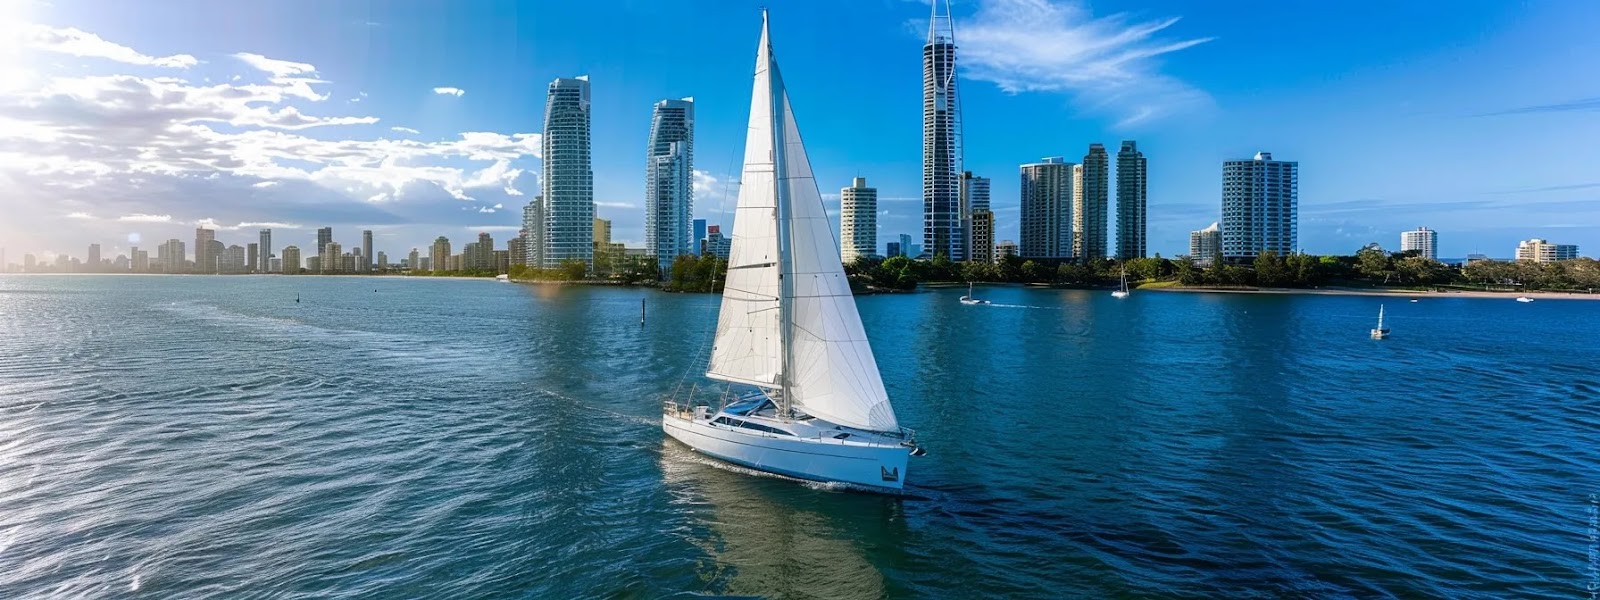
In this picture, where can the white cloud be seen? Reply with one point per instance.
(450, 91)
(404, 130)
(81, 215)
(144, 218)
(76, 42)
(264, 184)
(275, 67)
(616, 205)
(1107, 64)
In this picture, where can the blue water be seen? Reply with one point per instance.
(208, 437)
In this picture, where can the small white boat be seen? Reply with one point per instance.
(807, 399)
(968, 299)
(1524, 299)
(1122, 289)
(503, 277)
(1380, 331)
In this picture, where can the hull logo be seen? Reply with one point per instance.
(890, 474)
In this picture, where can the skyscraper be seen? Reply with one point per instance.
(483, 255)
(1132, 182)
(290, 265)
(1260, 203)
(905, 246)
(414, 261)
(141, 260)
(982, 236)
(204, 262)
(366, 250)
(568, 182)
(324, 235)
(1423, 240)
(975, 199)
(942, 220)
(1090, 205)
(533, 232)
(171, 255)
(1204, 244)
(330, 260)
(1047, 209)
(439, 255)
(265, 251)
(858, 221)
(232, 259)
(252, 256)
(93, 263)
(699, 235)
(383, 261)
(602, 231)
(669, 182)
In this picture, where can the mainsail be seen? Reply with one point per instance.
(788, 319)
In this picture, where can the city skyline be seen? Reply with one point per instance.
(462, 143)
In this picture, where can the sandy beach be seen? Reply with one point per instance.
(1385, 293)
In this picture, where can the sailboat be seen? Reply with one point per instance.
(969, 299)
(804, 396)
(1122, 289)
(1380, 331)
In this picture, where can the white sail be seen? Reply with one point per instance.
(830, 372)
(748, 347)
(835, 375)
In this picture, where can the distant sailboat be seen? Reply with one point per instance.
(969, 299)
(1122, 289)
(1524, 299)
(1380, 331)
(813, 406)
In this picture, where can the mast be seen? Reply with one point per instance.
(776, 96)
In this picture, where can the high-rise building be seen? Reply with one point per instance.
(716, 245)
(324, 235)
(204, 261)
(232, 260)
(414, 260)
(252, 256)
(906, 247)
(266, 250)
(975, 199)
(274, 265)
(533, 232)
(1204, 244)
(171, 256)
(331, 260)
(943, 222)
(29, 263)
(1260, 204)
(602, 231)
(94, 258)
(313, 264)
(893, 249)
(290, 263)
(858, 220)
(1046, 223)
(1132, 183)
(1425, 241)
(699, 236)
(366, 249)
(982, 236)
(1542, 251)
(517, 249)
(439, 255)
(1090, 205)
(214, 255)
(568, 182)
(383, 261)
(140, 261)
(482, 254)
(669, 182)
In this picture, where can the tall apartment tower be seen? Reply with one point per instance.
(532, 232)
(1260, 204)
(1047, 209)
(1204, 244)
(439, 254)
(568, 181)
(264, 252)
(943, 223)
(1132, 183)
(1423, 240)
(290, 265)
(324, 235)
(366, 250)
(669, 183)
(982, 237)
(1090, 203)
(975, 200)
(204, 260)
(858, 221)
(93, 262)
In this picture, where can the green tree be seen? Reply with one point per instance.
(1033, 272)
(1373, 263)
(1187, 273)
(1270, 270)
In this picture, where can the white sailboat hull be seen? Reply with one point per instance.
(875, 466)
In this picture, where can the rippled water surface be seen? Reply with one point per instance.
(210, 437)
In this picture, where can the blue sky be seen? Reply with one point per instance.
(123, 121)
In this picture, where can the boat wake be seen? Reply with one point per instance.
(997, 305)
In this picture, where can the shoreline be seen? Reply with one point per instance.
(1539, 295)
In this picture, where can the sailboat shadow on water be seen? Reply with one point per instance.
(812, 404)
